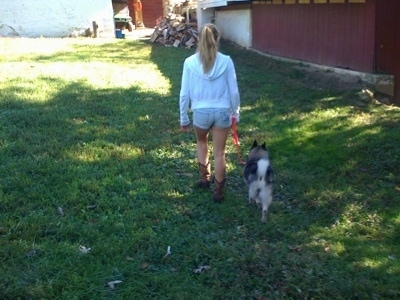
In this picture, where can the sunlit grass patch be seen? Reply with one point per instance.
(99, 75)
(98, 150)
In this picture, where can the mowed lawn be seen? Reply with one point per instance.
(97, 196)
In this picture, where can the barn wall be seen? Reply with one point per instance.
(388, 41)
(338, 35)
(27, 18)
(152, 10)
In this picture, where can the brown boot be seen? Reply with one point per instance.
(205, 175)
(218, 194)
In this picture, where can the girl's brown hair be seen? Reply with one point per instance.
(208, 46)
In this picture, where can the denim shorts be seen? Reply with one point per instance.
(205, 118)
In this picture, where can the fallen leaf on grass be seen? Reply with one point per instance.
(129, 258)
(190, 175)
(112, 284)
(297, 248)
(144, 265)
(31, 253)
(60, 211)
(168, 251)
(83, 249)
(201, 269)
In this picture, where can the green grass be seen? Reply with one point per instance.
(91, 155)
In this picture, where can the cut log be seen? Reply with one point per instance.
(173, 32)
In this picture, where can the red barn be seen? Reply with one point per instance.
(359, 35)
(150, 10)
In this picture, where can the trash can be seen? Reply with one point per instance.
(118, 33)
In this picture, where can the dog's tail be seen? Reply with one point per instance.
(265, 171)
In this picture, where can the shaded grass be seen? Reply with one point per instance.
(91, 154)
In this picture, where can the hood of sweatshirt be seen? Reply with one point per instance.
(220, 65)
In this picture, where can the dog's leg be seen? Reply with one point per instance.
(264, 216)
(266, 199)
(264, 212)
(252, 193)
(258, 202)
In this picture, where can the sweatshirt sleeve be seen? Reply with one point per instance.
(184, 96)
(233, 90)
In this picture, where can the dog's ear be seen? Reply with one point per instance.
(264, 146)
(255, 144)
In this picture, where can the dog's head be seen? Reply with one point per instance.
(258, 151)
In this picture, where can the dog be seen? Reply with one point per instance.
(258, 175)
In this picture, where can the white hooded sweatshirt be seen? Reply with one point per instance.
(215, 89)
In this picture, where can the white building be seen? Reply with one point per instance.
(233, 19)
(48, 18)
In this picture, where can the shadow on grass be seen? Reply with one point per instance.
(105, 168)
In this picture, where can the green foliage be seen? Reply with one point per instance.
(91, 155)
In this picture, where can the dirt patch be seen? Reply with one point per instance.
(316, 78)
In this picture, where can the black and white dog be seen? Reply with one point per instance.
(258, 175)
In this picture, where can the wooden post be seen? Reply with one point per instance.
(95, 26)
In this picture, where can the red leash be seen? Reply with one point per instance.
(236, 142)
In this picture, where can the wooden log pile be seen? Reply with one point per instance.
(173, 32)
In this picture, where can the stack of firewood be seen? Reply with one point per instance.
(173, 32)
